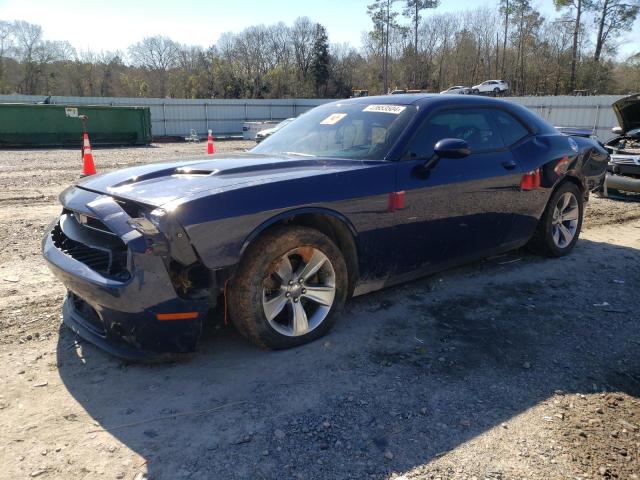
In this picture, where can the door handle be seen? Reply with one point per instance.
(509, 164)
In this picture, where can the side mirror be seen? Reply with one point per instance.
(617, 130)
(452, 148)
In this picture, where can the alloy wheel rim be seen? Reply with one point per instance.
(564, 223)
(298, 291)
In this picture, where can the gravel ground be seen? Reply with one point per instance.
(513, 367)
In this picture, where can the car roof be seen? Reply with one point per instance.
(431, 100)
(424, 99)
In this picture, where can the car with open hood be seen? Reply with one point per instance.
(624, 168)
(352, 196)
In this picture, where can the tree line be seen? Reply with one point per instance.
(410, 45)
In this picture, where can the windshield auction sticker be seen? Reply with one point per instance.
(394, 109)
(333, 119)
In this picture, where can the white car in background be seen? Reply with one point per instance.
(491, 86)
(459, 89)
(262, 134)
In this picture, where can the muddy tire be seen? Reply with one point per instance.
(559, 227)
(289, 286)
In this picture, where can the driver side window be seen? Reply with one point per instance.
(473, 125)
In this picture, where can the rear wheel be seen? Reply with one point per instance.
(496, 92)
(560, 224)
(288, 288)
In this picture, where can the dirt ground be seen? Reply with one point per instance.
(513, 367)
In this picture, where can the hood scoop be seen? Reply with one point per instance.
(194, 171)
(165, 172)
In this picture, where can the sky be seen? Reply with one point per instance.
(115, 24)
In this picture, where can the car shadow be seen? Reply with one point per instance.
(415, 370)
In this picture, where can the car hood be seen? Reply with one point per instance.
(627, 111)
(157, 184)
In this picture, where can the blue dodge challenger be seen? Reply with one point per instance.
(352, 196)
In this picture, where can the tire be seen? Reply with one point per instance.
(548, 237)
(496, 92)
(267, 280)
(475, 91)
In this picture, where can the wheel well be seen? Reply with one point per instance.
(576, 181)
(333, 228)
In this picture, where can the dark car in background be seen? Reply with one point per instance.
(353, 196)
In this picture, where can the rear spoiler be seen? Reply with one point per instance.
(576, 132)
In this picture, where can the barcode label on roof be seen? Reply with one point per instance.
(394, 109)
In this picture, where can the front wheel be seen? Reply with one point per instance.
(559, 227)
(288, 287)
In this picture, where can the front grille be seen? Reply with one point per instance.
(108, 261)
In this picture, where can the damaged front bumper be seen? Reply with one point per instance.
(120, 293)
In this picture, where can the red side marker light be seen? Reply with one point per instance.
(560, 166)
(396, 201)
(177, 316)
(531, 180)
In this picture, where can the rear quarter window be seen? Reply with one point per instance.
(510, 128)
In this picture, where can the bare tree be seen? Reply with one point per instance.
(384, 19)
(6, 42)
(412, 9)
(27, 37)
(506, 8)
(157, 54)
(615, 17)
(302, 38)
(535, 55)
(579, 7)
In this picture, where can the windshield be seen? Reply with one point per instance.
(347, 130)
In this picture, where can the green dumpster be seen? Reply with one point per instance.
(39, 125)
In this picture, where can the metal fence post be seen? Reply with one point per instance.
(206, 116)
(595, 120)
(164, 119)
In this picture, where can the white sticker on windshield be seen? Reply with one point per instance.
(333, 119)
(394, 109)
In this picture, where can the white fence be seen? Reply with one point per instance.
(176, 117)
(593, 113)
(225, 117)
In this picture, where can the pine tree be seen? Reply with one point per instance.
(412, 10)
(320, 60)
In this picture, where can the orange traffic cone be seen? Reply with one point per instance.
(210, 147)
(87, 157)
